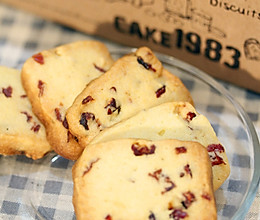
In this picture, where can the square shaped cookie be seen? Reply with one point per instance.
(140, 179)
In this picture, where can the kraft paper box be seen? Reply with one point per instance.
(221, 37)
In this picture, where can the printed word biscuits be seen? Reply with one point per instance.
(20, 130)
(52, 80)
(136, 81)
(173, 120)
(138, 179)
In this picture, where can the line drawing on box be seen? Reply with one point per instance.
(252, 49)
(178, 11)
(135, 3)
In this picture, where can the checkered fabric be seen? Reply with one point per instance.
(43, 189)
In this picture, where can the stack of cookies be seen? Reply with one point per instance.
(142, 151)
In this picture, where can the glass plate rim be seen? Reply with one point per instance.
(251, 131)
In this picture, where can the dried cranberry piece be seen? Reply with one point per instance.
(172, 185)
(38, 58)
(151, 216)
(58, 114)
(216, 160)
(160, 91)
(215, 147)
(178, 214)
(29, 117)
(87, 99)
(156, 174)
(144, 64)
(180, 150)
(108, 217)
(65, 123)
(7, 91)
(214, 157)
(113, 88)
(111, 107)
(23, 96)
(206, 196)
(189, 199)
(99, 68)
(90, 166)
(140, 150)
(190, 116)
(41, 85)
(85, 116)
(188, 170)
(35, 127)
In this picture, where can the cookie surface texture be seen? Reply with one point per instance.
(136, 81)
(173, 120)
(20, 130)
(138, 179)
(53, 78)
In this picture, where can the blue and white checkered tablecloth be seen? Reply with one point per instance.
(43, 188)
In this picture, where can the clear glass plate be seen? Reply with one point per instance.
(48, 188)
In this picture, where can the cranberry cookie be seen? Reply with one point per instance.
(135, 82)
(53, 78)
(20, 130)
(138, 179)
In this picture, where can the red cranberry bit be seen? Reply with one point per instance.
(87, 99)
(206, 196)
(111, 107)
(35, 127)
(169, 181)
(41, 88)
(190, 116)
(7, 91)
(113, 88)
(65, 123)
(90, 166)
(215, 147)
(38, 58)
(99, 68)
(178, 214)
(108, 217)
(214, 157)
(29, 117)
(216, 160)
(156, 174)
(23, 96)
(160, 91)
(151, 216)
(180, 150)
(188, 170)
(58, 114)
(85, 116)
(144, 64)
(189, 199)
(140, 150)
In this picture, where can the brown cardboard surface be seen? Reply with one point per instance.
(221, 37)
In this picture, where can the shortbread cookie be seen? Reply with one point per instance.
(52, 80)
(173, 120)
(138, 179)
(20, 130)
(136, 81)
